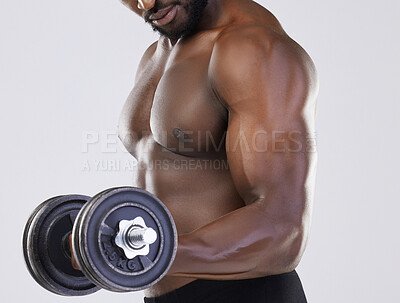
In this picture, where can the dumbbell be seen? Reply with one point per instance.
(124, 239)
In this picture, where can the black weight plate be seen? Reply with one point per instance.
(85, 265)
(77, 232)
(106, 262)
(76, 240)
(46, 248)
(25, 240)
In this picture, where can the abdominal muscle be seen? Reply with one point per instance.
(196, 191)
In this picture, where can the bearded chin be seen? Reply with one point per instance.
(194, 11)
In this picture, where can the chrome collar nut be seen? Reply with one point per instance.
(134, 237)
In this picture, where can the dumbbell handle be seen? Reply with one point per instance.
(74, 263)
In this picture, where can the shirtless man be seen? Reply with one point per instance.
(220, 119)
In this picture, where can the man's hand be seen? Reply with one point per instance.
(73, 260)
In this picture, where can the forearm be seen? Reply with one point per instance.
(241, 245)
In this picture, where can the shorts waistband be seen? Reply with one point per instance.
(200, 288)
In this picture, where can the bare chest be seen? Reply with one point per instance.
(173, 102)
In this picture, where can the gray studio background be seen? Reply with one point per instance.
(66, 68)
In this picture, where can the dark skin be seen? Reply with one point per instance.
(239, 79)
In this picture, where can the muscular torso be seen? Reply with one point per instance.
(174, 125)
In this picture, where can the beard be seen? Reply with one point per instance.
(179, 28)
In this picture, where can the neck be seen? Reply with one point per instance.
(212, 16)
(216, 14)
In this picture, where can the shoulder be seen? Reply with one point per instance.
(256, 55)
(249, 45)
(155, 50)
(147, 56)
(255, 35)
(150, 50)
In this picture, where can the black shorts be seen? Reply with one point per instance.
(284, 288)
